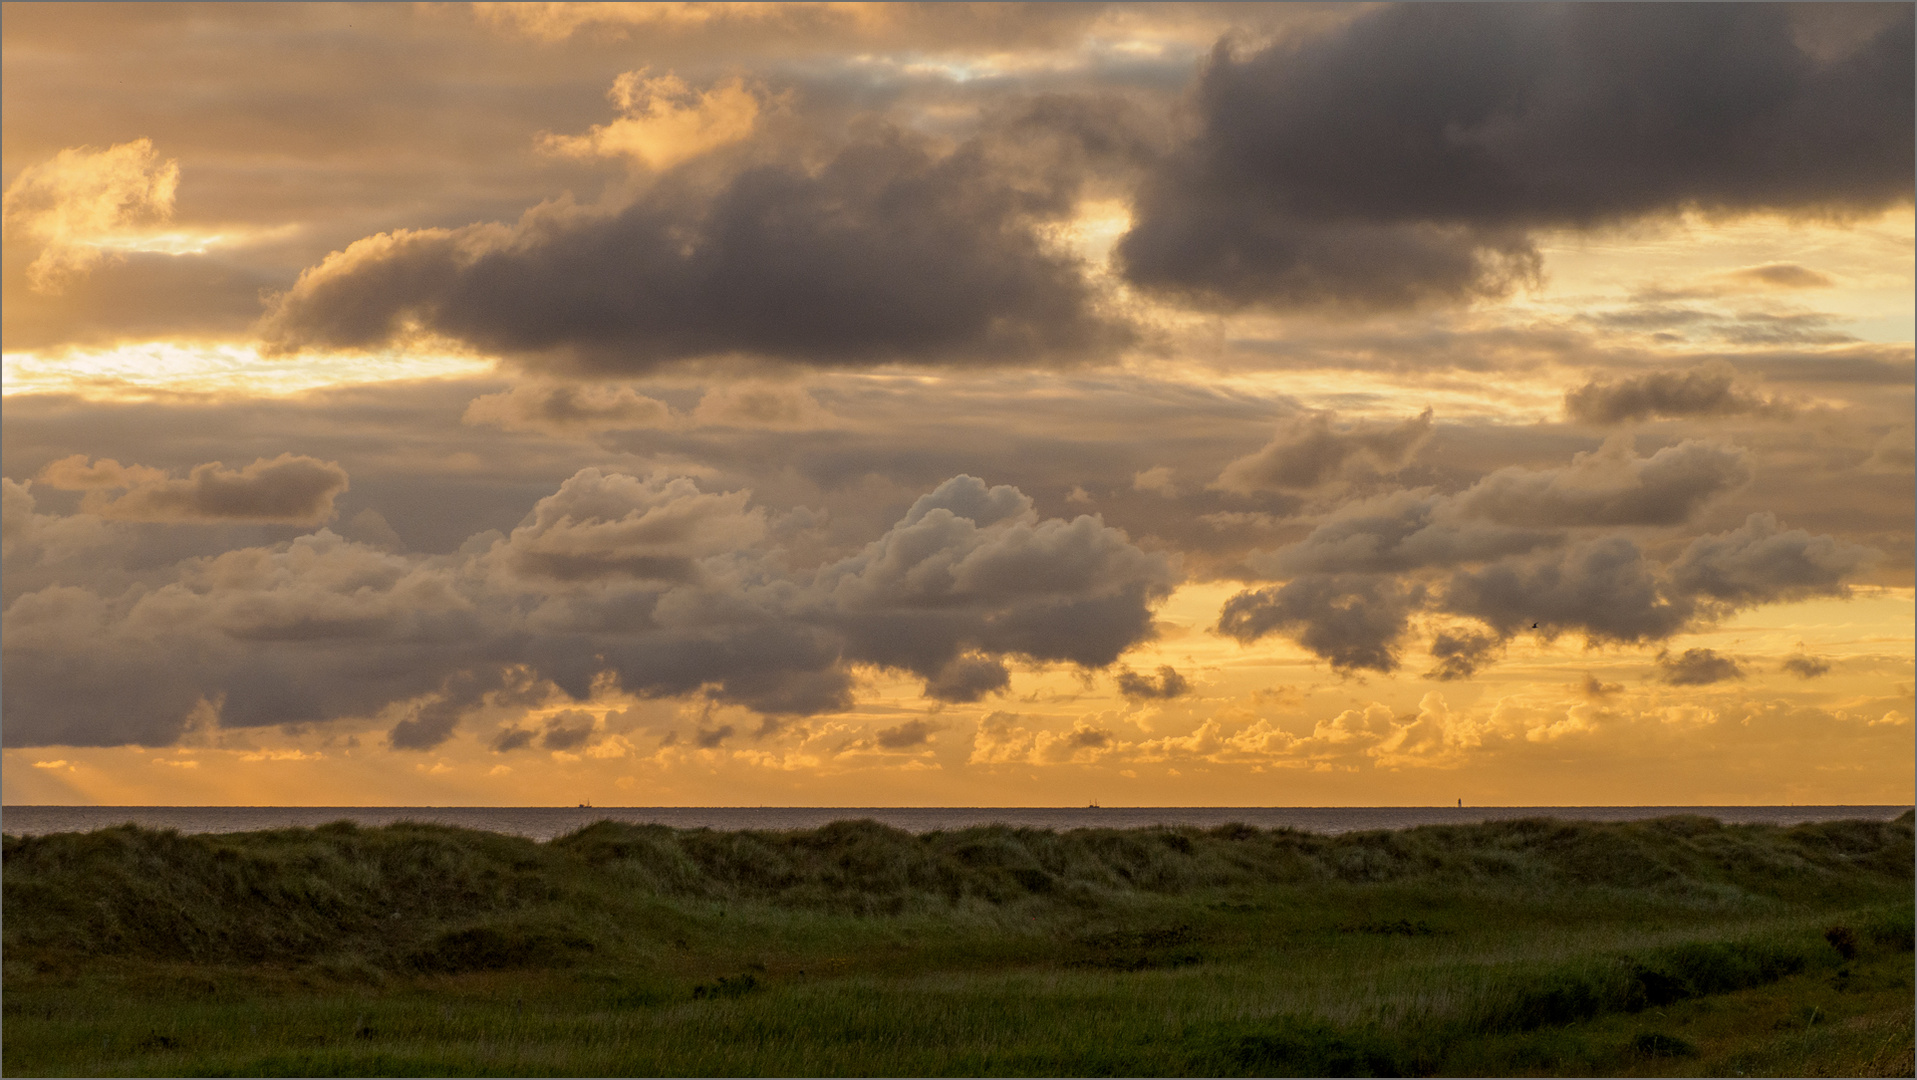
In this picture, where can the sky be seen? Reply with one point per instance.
(959, 405)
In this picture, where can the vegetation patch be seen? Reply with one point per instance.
(859, 949)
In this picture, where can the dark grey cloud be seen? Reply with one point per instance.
(1168, 684)
(907, 735)
(1768, 328)
(1710, 390)
(1315, 448)
(1597, 689)
(1697, 667)
(1461, 653)
(616, 526)
(1512, 511)
(322, 628)
(290, 489)
(432, 720)
(1782, 275)
(513, 739)
(1609, 487)
(1407, 156)
(966, 679)
(888, 252)
(1606, 589)
(1762, 562)
(1088, 738)
(1519, 545)
(567, 730)
(939, 585)
(1610, 591)
(1805, 667)
(1353, 621)
(1407, 530)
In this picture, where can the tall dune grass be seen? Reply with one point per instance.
(857, 948)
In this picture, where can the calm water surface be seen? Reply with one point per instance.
(544, 823)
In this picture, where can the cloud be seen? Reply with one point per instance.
(1352, 621)
(600, 525)
(1609, 486)
(1507, 537)
(664, 121)
(1761, 562)
(371, 528)
(1435, 736)
(40, 548)
(1697, 667)
(566, 408)
(76, 473)
(16, 510)
(651, 586)
(571, 409)
(78, 204)
(568, 730)
(973, 568)
(1461, 654)
(887, 251)
(1169, 684)
(1596, 689)
(1409, 156)
(1610, 591)
(291, 489)
(1511, 511)
(1781, 275)
(1896, 452)
(513, 739)
(556, 21)
(916, 29)
(1605, 588)
(1703, 391)
(1002, 740)
(749, 404)
(1406, 530)
(907, 735)
(1313, 449)
(1805, 667)
(1157, 480)
(430, 721)
(965, 679)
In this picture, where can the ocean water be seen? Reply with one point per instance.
(546, 822)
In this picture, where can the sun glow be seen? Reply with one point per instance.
(171, 368)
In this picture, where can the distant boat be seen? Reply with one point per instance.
(587, 805)
(1094, 805)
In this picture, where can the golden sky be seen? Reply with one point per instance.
(858, 405)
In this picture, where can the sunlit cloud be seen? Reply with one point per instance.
(82, 203)
(556, 21)
(665, 121)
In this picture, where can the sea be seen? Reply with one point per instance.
(547, 822)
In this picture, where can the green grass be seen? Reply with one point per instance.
(1672, 947)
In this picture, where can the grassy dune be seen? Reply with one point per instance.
(1679, 946)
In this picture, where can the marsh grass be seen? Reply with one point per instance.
(1511, 947)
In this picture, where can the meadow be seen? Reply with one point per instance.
(1679, 946)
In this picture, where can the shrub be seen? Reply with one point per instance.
(1309, 1048)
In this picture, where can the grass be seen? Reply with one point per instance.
(1673, 947)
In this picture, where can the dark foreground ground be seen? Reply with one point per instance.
(1670, 947)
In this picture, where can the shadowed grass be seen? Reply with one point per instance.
(855, 949)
